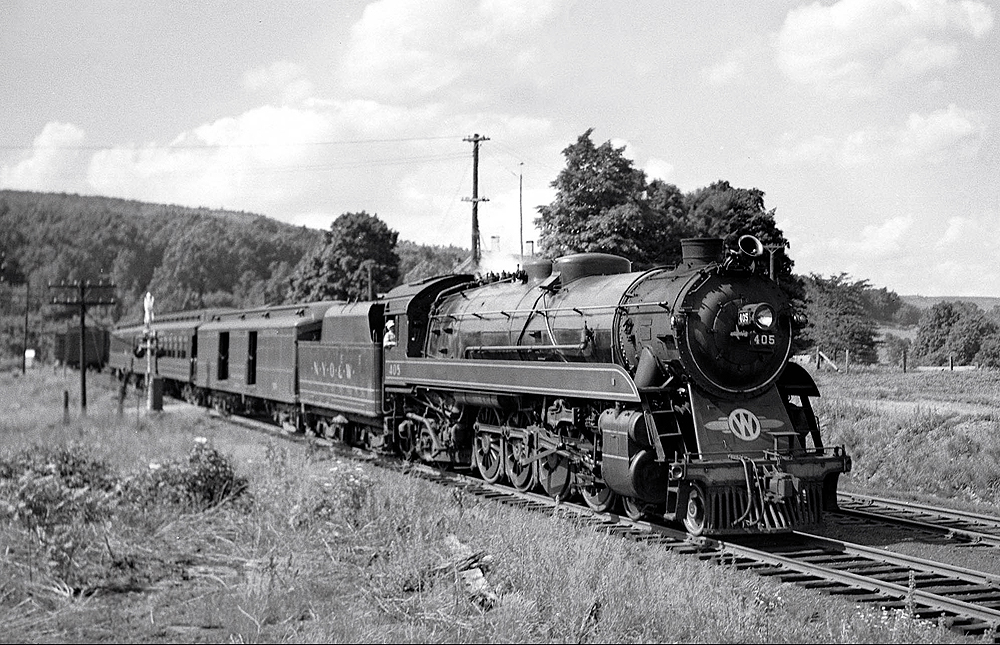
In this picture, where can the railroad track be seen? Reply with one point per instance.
(964, 600)
(969, 528)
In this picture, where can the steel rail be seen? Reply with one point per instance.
(988, 616)
(805, 558)
(959, 525)
(901, 560)
(936, 511)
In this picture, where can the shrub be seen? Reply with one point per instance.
(61, 496)
(72, 464)
(202, 481)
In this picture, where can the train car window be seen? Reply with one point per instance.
(223, 371)
(252, 358)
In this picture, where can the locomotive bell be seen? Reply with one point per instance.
(750, 246)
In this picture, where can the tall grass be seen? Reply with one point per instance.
(934, 434)
(318, 547)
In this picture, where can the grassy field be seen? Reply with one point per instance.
(179, 527)
(927, 435)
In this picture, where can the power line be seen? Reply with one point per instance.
(254, 169)
(213, 146)
(261, 169)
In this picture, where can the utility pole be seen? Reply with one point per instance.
(88, 294)
(771, 249)
(475, 140)
(520, 205)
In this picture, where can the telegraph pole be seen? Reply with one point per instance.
(476, 252)
(520, 207)
(771, 249)
(88, 294)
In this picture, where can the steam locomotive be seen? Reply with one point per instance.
(665, 392)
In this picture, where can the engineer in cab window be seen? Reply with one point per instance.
(389, 337)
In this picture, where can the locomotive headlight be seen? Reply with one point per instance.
(760, 315)
(764, 317)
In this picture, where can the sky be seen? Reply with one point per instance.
(871, 126)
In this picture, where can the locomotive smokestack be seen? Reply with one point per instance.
(699, 251)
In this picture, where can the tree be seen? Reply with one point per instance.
(895, 348)
(720, 210)
(950, 330)
(338, 269)
(967, 336)
(989, 352)
(199, 261)
(603, 204)
(419, 261)
(838, 320)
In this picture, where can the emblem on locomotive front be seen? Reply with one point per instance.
(744, 424)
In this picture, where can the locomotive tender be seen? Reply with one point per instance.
(668, 391)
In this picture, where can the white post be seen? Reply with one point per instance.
(147, 321)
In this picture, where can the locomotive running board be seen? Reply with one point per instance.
(580, 380)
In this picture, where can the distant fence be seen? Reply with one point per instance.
(842, 361)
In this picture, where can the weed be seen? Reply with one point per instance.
(205, 479)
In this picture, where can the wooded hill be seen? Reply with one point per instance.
(187, 257)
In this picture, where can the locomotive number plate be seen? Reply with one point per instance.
(763, 342)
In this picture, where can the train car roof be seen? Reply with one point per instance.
(397, 301)
(176, 320)
(271, 317)
(356, 322)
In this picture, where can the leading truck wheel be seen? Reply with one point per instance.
(599, 497)
(694, 519)
(635, 509)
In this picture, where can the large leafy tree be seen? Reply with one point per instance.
(838, 318)
(955, 331)
(604, 204)
(720, 210)
(338, 269)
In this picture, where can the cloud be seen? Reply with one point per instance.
(218, 163)
(872, 253)
(964, 256)
(53, 163)
(282, 78)
(311, 162)
(658, 169)
(909, 254)
(272, 159)
(874, 242)
(731, 68)
(946, 135)
(403, 50)
(853, 46)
